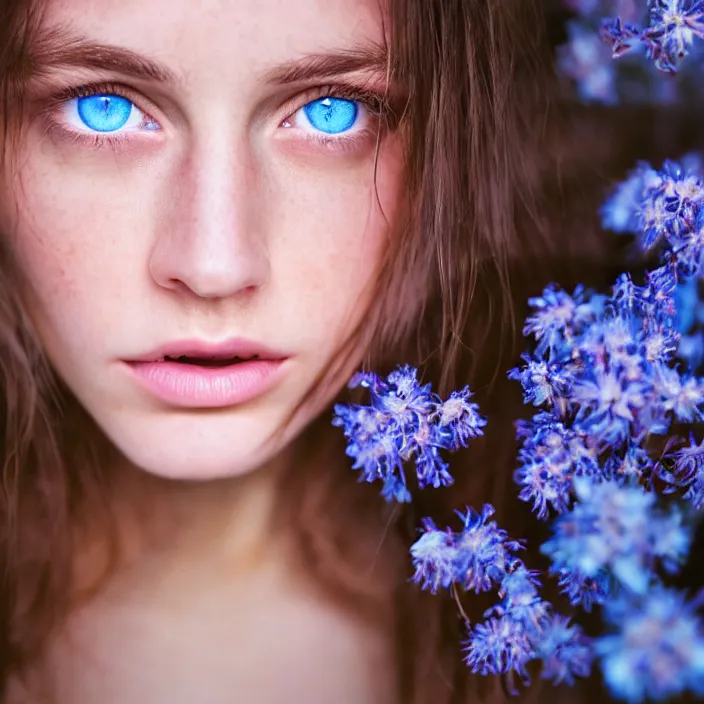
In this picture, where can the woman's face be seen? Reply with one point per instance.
(209, 191)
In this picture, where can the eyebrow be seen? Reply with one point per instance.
(367, 58)
(56, 48)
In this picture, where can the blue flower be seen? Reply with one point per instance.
(431, 469)
(476, 558)
(620, 36)
(657, 651)
(550, 456)
(633, 462)
(395, 489)
(543, 383)
(518, 629)
(555, 312)
(546, 483)
(483, 550)
(670, 202)
(405, 421)
(403, 396)
(687, 471)
(607, 373)
(519, 591)
(582, 590)
(588, 63)
(565, 651)
(400, 396)
(687, 246)
(673, 27)
(375, 440)
(626, 297)
(684, 396)
(607, 403)
(620, 212)
(434, 557)
(686, 302)
(659, 295)
(498, 646)
(671, 539)
(661, 30)
(617, 529)
(456, 420)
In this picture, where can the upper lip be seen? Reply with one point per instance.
(202, 349)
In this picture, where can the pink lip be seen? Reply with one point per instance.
(194, 386)
(190, 386)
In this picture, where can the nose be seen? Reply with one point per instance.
(208, 239)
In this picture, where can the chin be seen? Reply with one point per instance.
(196, 466)
(188, 448)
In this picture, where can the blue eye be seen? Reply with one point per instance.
(104, 113)
(331, 115)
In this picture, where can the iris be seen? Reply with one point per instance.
(332, 115)
(104, 113)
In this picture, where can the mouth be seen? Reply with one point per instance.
(197, 374)
(208, 361)
(201, 353)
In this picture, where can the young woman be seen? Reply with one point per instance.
(212, 214)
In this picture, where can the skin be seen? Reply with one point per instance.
(229, 220)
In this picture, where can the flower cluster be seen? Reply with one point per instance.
(605, 374)
(406, 421)
(613, 454)
(522, 627)
(664, 210)
(620, 401)
(631, 30)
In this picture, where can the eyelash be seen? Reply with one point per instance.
(376, 104)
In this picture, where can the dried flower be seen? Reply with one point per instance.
(405, 420)
(473, 559)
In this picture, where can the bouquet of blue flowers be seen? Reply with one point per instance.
(613, 456)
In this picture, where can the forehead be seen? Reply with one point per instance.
(232, 35)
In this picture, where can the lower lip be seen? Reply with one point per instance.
(191, 386)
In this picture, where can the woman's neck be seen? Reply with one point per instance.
(227, 522)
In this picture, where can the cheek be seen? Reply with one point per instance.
(67, 241)
(333, 231)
